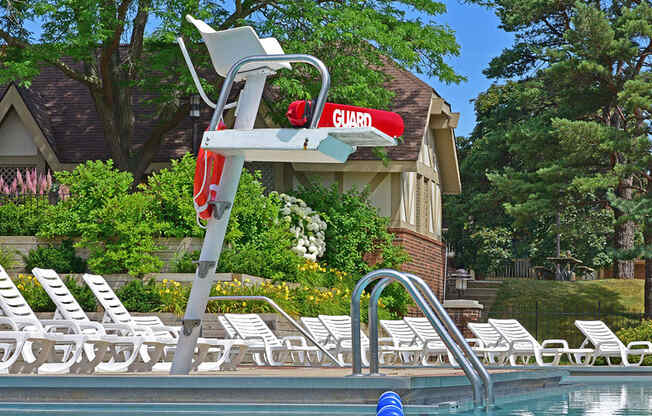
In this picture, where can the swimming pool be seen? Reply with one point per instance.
(626, 399)
(623, 399)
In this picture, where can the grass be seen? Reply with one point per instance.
(613, 295)
(548, 309)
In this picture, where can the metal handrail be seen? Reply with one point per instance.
(308, 59)
(428, 312)
(443, 317)
(286, 316)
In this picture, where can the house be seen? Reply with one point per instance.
(53, 124)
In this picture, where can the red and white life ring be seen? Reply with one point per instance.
(208, 172)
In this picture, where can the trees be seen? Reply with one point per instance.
(119, 47)
(585, 55)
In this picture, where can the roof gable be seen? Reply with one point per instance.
(34, 118)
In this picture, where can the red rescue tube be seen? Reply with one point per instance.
(339, 115)
(208, 172)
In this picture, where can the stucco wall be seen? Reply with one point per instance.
(15, 140)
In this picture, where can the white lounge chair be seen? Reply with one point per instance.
(11, 345)
(41, 338)
(251, 328)
(339, 327)
(115, 312)
(318, 331)
(125, 343)
(494, 346)
(608, 345)
(522, 344)
(429, 336)
(403, 336)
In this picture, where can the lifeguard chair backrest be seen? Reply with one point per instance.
(12, 302)
(226, 47)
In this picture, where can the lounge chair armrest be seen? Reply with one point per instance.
(99, 328)
(513, 342)
(261, 339)
(288, 340)
(555, 341)
(477, 342)
(646, 344)
(9, 322)
(386, 341)
(172, 330)
(341, 341)
(599, 345)
(49, 324)
(123, 329)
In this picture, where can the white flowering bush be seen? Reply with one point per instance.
(306, 225)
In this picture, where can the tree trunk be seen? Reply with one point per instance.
(624, 232)
(647, 236)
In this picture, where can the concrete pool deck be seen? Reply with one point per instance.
(255, 385)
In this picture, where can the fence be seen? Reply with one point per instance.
(35, 200)
(519, 269)
(545, 323)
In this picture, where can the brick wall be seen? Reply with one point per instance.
(428, 256)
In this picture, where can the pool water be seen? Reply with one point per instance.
(628, 399)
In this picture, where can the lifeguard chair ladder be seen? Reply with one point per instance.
(238, 54)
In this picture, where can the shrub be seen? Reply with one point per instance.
(171, 203)
(117, 227)
(82, 293)
(39, 301)
(90, 185)
(354, 229)
(7, 258)
(120, 237)
(306, 225)
(23, 218)
(173, 295)
(34, 294)
(137, 296)
(642, 332)
(256, 242)
(61, 258)
(183, 262)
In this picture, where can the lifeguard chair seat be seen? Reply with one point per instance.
(227, 47)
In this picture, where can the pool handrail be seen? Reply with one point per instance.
(443, 317)
(286, 316)
(416, 295)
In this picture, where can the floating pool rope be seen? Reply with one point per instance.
(389, 404)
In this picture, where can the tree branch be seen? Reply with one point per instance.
(138, 33)
(144, 157)
(647, 52)
(65, 68)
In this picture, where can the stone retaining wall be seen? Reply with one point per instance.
(169, 248)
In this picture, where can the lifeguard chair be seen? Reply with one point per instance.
(240, 55)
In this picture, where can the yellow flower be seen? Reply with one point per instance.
(311, 297)
(165, 281)
(167, 290)
(21, 287)
(244, 303)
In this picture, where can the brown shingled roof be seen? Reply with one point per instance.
(66, 113)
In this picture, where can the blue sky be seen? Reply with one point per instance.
(477, 32)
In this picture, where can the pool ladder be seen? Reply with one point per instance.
(438, 317)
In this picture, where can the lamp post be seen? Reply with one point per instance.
(194, 116)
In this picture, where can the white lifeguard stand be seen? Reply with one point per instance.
(238, 54)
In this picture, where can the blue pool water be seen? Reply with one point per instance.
(629, 399)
